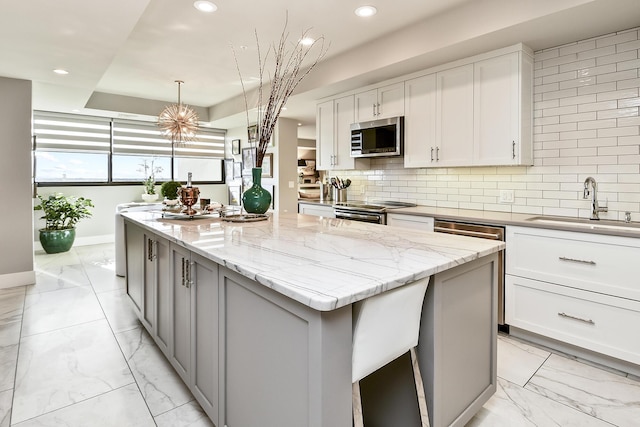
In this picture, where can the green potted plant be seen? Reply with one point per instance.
(150, 171)
(169, 190)
(61, 214)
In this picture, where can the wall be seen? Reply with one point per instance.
(16, 262)
(586, 101)
(100, 228)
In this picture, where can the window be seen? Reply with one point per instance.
(80, 149)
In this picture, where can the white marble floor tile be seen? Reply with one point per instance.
(59, 277)
(65, 366)
(517, 361)
(514, 406)
(117, 408)
(11, 308)
(161, 386)
(8, 361)
(117, 308)
(45, 261)
(594, 391)
(48, 311)
(104, 279)
(188, 415)
(5, 407)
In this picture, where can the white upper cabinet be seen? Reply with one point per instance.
(419, 121)
(383, 102)
(454, 117)
(477, 111)
(502, 110)
(325, 144)
(333, 135)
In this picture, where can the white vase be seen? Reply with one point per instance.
(149, 197)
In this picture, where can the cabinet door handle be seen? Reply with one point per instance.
(513, 149)
(374, 110)
(378, 108)
(149, 250)
(437, 154)
(581, 261)
(186, 273)
(568, 316)
(432, 154)
(183, 271)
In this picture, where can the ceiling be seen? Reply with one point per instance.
(123, 56)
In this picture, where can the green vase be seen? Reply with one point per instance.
(256, 199)
(56, 241)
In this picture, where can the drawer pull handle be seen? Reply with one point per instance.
(581, 261)
(568, 316)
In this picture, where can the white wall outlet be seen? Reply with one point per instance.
(291, 184)
(506, 196)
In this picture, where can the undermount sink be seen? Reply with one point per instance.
(587, 223)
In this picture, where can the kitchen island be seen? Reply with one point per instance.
(256, 317)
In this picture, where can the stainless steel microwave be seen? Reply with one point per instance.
(377, 138)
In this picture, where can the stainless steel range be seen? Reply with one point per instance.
(373, 212)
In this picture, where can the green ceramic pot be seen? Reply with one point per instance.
(56, 241)
(256, 199)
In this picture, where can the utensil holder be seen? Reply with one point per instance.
(339, 194)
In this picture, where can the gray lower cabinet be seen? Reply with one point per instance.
(194, 316)
(135, 245)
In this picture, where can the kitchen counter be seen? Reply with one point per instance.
(606, 227)
(322, 263)
(262, 317)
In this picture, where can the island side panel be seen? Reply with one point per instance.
(291, 365)
(458, 341)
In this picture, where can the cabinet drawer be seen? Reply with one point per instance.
(600, 323)
(410, 221)
(599, 263)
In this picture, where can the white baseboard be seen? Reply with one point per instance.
(84, 241)
(11, 280)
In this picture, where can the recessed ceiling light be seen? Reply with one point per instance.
(60, 71)
(365, 11)
(205, 6)
(299, 124)
(307, 41)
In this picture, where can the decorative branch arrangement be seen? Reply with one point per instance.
(288, 72)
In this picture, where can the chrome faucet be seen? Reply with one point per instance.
(595, 208)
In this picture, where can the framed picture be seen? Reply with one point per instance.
(235, 196)
(267, 165)
(252, 133)
(228, 169)
(237, 170)
(235, 146)
(248, 160)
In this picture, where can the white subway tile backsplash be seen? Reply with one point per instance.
(577, 65)
(631, 45)
(598, 106)
(597, 160)
(621, 112)
(629, 102)
(629, 140)
(597, 124)
(628, 65)
(619, 131)
(577, 100)
(621, 37)
(617, 58)
(617, 76)
(628, 84)
(577, 47)
(578, 117)
(597, 88)
(594, 53)
(618, 94)
(598, 142)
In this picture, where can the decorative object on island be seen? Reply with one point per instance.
(188, 197)
(169, 190)
(150, 172)
(61, 214)
(290, 66)
(178, 121)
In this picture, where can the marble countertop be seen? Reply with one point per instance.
(323, 263)
(607, 227)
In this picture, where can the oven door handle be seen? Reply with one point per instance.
(468, 233)
(364, 217)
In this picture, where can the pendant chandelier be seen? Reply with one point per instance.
(178, 122)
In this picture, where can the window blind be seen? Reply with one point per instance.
(67, 132)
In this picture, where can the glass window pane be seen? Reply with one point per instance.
(137, 168)
(203, 169)
(63, 166)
